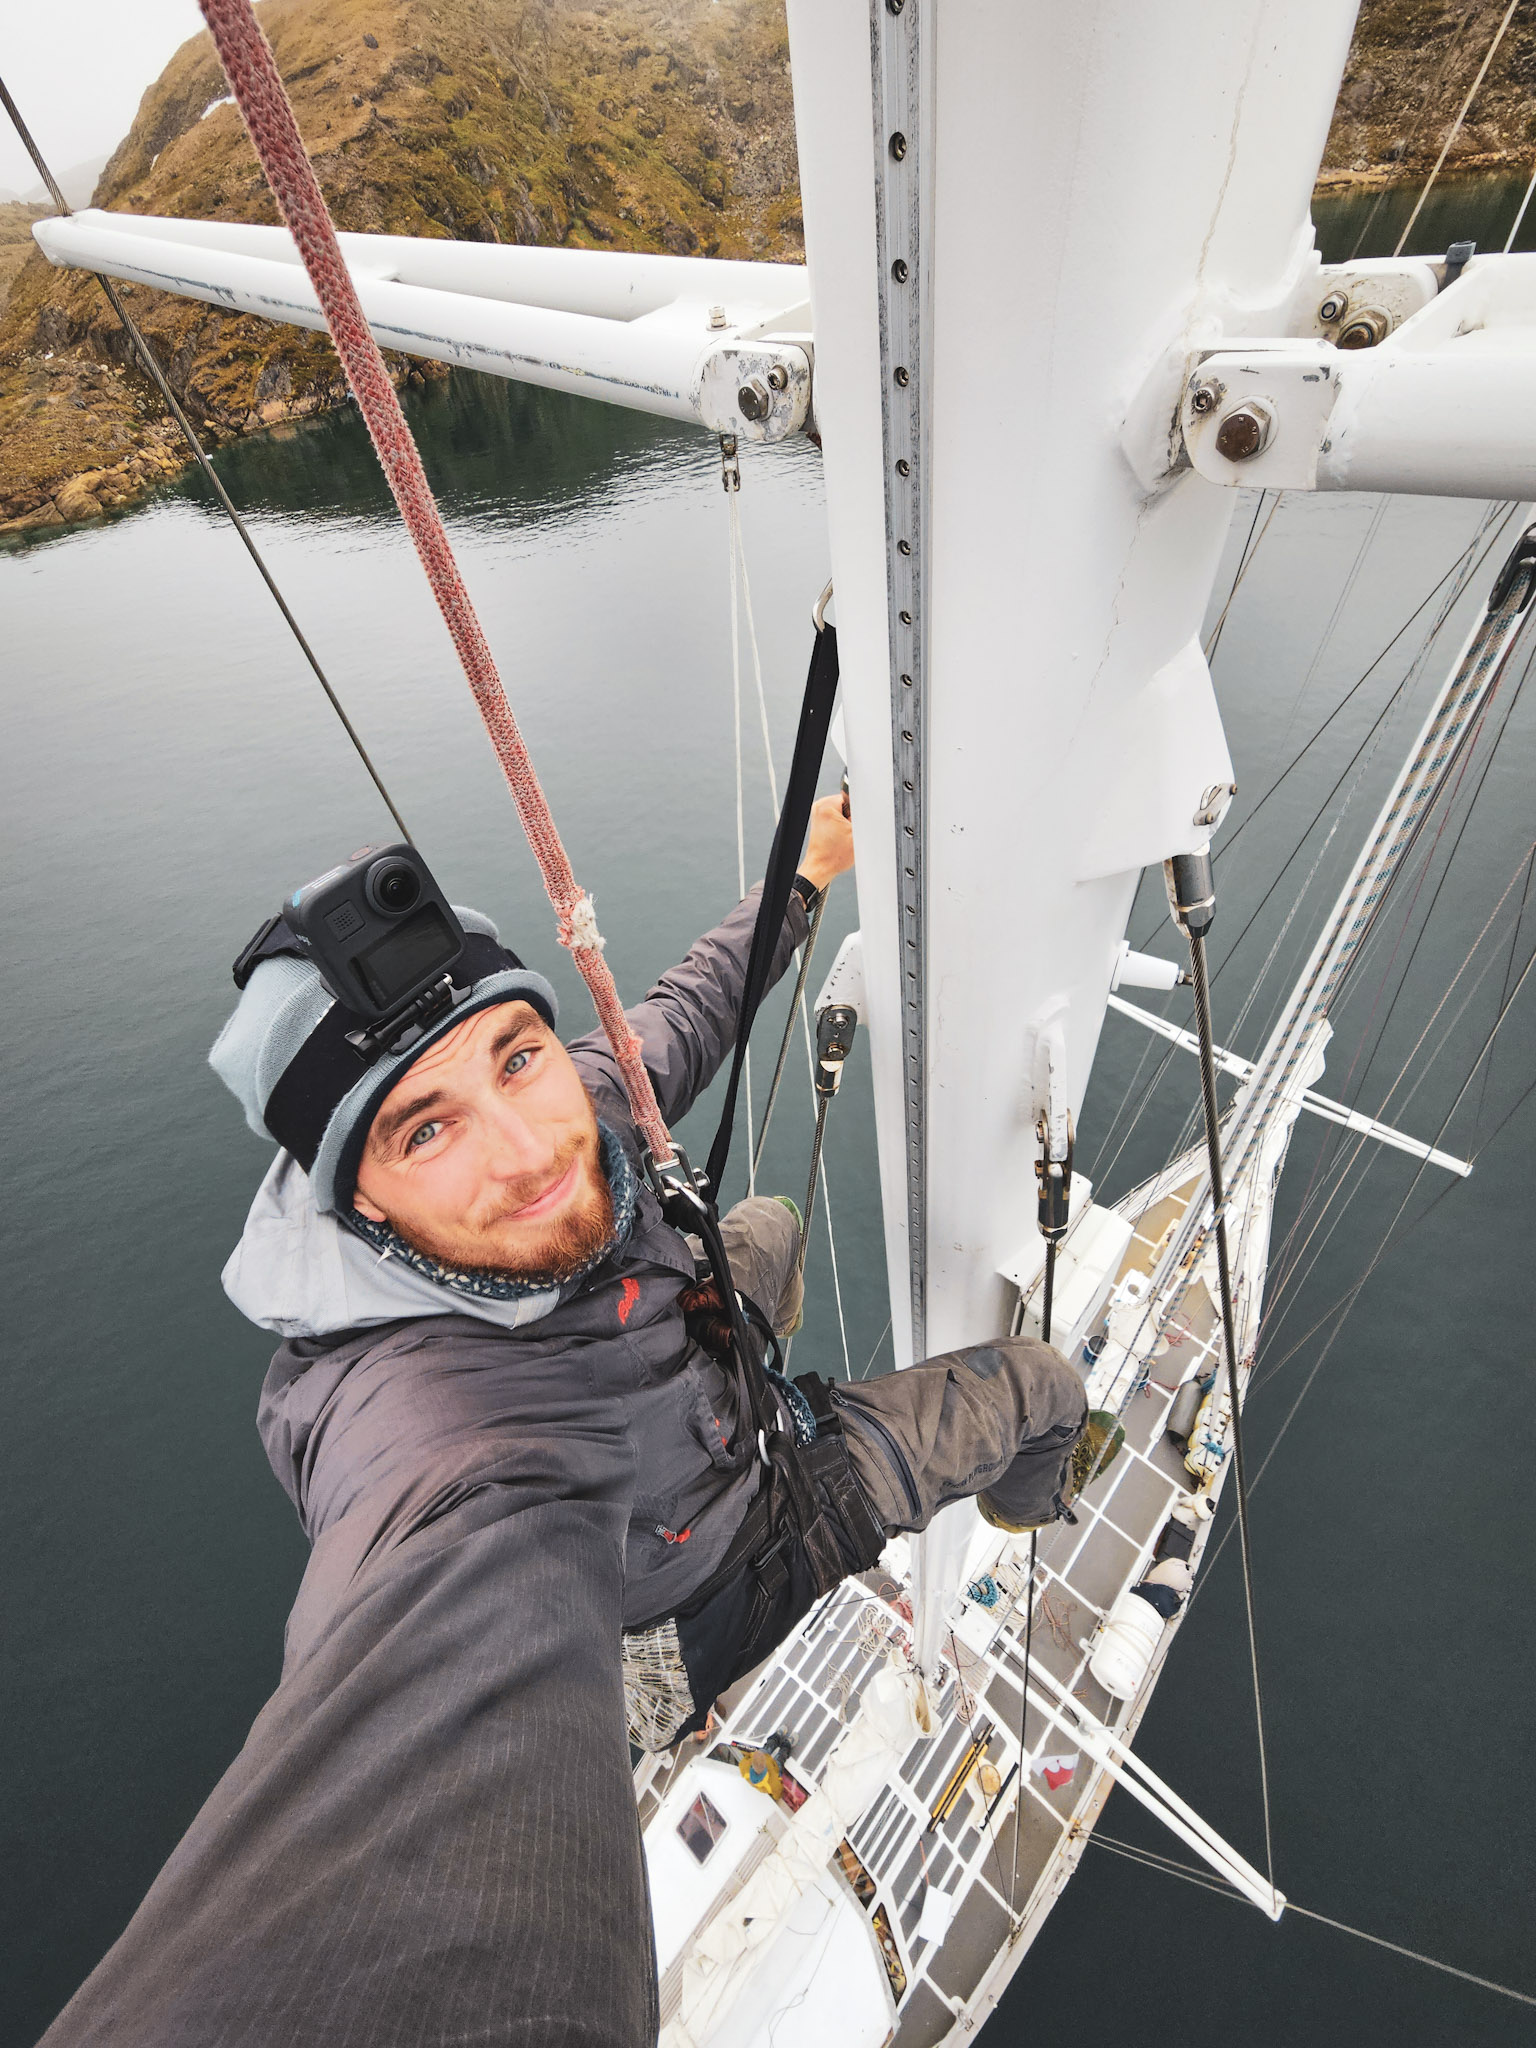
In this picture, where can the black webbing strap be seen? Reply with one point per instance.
(788, 839)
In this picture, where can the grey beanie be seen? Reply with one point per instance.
(299, 1082)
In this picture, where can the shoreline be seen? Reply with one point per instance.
(161, 456)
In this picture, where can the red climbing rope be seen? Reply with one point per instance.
(259, 92)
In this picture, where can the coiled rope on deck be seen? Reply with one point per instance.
(258, 89)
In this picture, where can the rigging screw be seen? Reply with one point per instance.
(1192, 899)
(835, 1028)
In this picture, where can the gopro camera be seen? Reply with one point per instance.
(380, 931)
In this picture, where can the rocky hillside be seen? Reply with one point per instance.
(640, 124)
(16, 242)
(1411, 66)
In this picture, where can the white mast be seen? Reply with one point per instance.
(1016, 213)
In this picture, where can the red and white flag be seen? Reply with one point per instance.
(1057, 1770)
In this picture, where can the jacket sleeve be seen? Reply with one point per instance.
(430, 1836)
(687, 1023)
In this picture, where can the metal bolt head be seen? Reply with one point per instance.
(1205, 396)
(894, 6)
(1334, 307)
(898, 145)
(899, 270)
(902, 375)
(778, 378)
(1244, 432)
(717, 316)
(752, 400)
(1363, 331)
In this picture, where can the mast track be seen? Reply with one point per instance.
(897, 69)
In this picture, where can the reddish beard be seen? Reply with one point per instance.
(554, 1251)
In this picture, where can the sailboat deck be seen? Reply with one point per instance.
(908, 1842)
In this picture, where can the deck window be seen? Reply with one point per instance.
(701, 1827)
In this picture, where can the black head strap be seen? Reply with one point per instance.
(328, 1065)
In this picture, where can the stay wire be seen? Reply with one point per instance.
(1413, 134)
(1455, 128)
(1333, 1169)
(1340, 1309)
(1461, 570)
(1170, 1867)
(1492, 526)
(1250, 548)
(1229, 1336)
(151, 365)
(1339, 1172)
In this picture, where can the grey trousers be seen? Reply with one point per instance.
(999, 1418)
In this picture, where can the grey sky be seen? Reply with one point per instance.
(78, 69)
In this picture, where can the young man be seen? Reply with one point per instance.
(518, 1471)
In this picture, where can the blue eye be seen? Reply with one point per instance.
(517, 1062)
(422, 1135)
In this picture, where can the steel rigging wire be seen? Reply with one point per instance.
(149, 362)
(1335, 1170)
(1471, 558)
(1171, 1867)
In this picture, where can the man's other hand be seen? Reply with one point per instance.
(829, 842)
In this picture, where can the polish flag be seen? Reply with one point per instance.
(1057, 1770)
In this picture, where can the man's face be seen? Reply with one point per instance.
(485, 1152)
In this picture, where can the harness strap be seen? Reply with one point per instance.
(783, 859)
(829, 1466)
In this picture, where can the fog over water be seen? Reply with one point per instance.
(171, 769)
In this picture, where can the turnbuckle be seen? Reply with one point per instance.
(1055, 1179)
(835, 1027)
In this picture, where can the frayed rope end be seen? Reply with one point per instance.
(578, 928)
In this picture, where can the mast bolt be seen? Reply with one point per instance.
(898, 145)
(753, 402)
(717, 316)
(1206, 395)
(1245, 431)
(1334, 307)
(902, 375)
(1364, 331)
(900, 271)
(778, 378)
(894, 6)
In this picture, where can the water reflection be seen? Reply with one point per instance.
(502, 454)
(1480, 208)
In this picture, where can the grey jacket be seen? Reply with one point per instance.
(430, 1836)
(378, 1432)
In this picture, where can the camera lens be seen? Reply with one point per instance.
(393, 887)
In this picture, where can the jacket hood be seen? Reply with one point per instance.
(300, 1271)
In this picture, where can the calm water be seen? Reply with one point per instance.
(170, 767)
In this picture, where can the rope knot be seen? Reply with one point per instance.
(578, 927)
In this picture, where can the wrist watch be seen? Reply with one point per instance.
(808, 893)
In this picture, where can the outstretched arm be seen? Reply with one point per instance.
(430, 1835)
(687, 1023)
